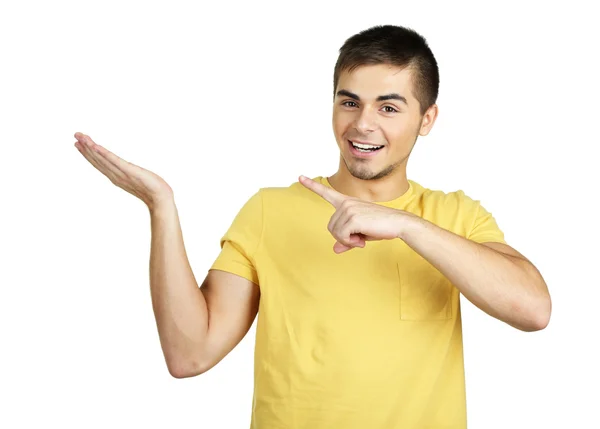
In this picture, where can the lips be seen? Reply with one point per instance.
(364, 153)
(364, 142)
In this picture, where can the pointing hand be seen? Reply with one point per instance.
(356, 221)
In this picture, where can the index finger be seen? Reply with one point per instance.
(334, 197)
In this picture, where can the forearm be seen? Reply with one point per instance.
(505, 287)
(178, 303)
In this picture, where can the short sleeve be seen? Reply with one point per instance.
(241, 240)
(484, 227)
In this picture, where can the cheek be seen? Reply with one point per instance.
(393, 136)
(340, 126)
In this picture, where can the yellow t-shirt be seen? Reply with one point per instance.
(367, 339)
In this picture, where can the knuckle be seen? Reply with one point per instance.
(346, 204)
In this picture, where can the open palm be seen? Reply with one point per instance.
(142, 183)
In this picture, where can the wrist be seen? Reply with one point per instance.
(407, 223)
(161, 206)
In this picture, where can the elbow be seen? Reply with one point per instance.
(180, 373)
(544, 312)
(529, 316)
(535, 325)
(190, 365)
(543, 319)
(540, 316)
(186, 369)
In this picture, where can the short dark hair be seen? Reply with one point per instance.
(396, 46)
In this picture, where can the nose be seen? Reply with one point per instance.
(366, 122)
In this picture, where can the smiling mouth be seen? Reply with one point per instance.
(364, 148)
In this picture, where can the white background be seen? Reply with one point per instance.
(221, 100)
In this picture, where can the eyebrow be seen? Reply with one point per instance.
(393, 96)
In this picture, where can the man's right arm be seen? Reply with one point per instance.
(197, 326)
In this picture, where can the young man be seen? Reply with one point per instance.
(355, 277)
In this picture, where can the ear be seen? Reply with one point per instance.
(428, 120)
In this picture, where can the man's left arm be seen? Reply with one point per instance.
(493, 276)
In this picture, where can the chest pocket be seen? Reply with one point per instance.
(425, 293)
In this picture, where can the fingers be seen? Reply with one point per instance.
(329, 194)
(107, 162)
(143, 184)
(341, 223)
(344, 211)
(340, 248)
(114, 161)
(87, 150)
(346, 234)
(355, 239)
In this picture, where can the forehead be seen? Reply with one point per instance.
(370, 81)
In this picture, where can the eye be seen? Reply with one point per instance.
(390, 111)
(345, 103)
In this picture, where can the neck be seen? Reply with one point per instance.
(387, 188)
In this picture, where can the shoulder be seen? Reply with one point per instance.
(446, 201)
(286, 193)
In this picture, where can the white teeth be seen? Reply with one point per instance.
(364, 146)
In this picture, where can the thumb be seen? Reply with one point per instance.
(354, 241)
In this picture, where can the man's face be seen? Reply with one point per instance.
(374, 105)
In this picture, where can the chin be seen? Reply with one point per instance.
(366, 173)
(370, 174)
